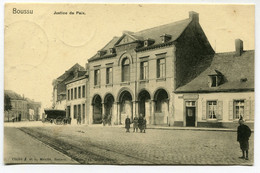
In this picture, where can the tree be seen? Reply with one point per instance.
(7, 104)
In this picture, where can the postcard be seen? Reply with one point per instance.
(129, 84)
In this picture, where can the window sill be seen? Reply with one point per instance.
(97, 86)
(160, 79)
(125, 83)
(109, 85)
(212, 120)
(144, 81)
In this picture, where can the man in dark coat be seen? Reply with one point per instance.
(140, 123)
(144, 124)
(135, 125)
(243, 134)
(127, 124)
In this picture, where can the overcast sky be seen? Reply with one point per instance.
(41, 46)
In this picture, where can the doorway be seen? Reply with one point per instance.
(190, 113)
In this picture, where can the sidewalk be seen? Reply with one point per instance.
(160, 127)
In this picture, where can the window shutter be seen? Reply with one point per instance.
(220, 110)
(230, 110)
(204, 113)
(247, 110)
(252, 117)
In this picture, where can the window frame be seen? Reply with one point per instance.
(97, 77)
(144, 76)
(109, 75)
(160, 73)
(234, 108)
(123, 71)
(216, 110)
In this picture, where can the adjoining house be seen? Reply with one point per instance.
(59, 87)
(220, 95)
(76, 97)
(171, 75)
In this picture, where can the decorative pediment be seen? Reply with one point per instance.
(125, 40)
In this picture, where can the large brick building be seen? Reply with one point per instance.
(171, 75)
(138, 72)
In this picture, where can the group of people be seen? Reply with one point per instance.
(138, 123)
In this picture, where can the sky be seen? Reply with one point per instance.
(40, 47)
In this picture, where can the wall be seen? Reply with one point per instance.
(224, 98)
(78, 101)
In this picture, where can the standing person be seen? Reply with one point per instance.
(13, 118)
(79, 120)
(144, 124)
(127, 124)
(135, 125)
(140, 123)
(243, 134)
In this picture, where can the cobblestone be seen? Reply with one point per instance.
(157, 146)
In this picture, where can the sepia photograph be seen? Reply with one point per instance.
(129, 84)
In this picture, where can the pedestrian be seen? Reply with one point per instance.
(243, 134)
(127, 124)
(13, 118)
(144, 124)
(135, 125)
(140, 123)
(79, 120)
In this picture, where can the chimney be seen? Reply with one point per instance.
(194, 16)
(239, 47)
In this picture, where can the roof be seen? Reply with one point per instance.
(106, 48)
(13, 95)
(174, 29)
(81, 75)
(65, 75)
(238, 73)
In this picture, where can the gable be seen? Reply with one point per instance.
(125, 39)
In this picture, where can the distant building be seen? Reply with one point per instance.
(76, 97)
(34, 109)
(20, 107)
(59, 87)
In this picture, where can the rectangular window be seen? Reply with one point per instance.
(239, 109)
(144, 70)
(161, 68)
(97, 77)
(71, 92)
(79, 91)
(83, 91)
(68, 95)
(75, 112)
(109, 72)
(75, 93)
(79, 111)
(212, 109)
(83, 112)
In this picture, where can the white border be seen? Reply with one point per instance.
(120, 169)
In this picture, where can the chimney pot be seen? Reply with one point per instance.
(239, 47)
(194, 16)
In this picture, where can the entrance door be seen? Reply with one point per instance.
(190, 116)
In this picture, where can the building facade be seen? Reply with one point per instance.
(220, 95)
(136, 74)
(171, 76)
(76, 98)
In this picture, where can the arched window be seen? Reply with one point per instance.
(125, 70)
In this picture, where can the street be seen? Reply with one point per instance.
(111, 145)
(21, 148)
